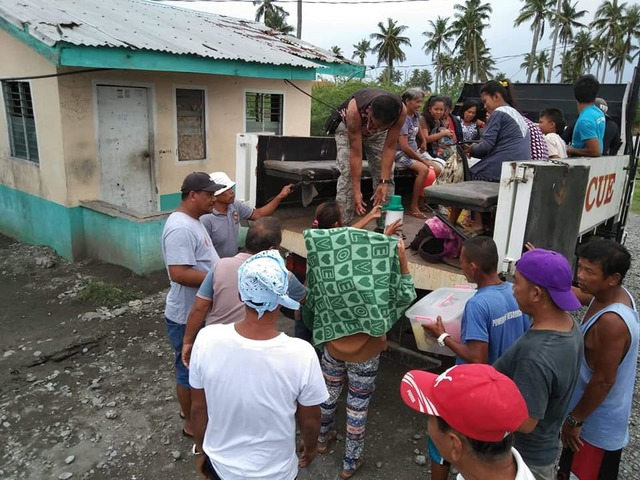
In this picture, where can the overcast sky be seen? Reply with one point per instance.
(345, 24)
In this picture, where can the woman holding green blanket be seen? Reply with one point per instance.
(353, 357)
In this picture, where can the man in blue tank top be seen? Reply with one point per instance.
(596, 428)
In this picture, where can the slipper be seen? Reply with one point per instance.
(188, 435)
(418, 214)
(346, 474)
(329, 437)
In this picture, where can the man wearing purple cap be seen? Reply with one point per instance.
(544, 363)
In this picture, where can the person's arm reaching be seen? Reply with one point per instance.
(354, 132)
(473, 351)
(388, 156)
(269, 208)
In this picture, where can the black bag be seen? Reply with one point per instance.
(331, 124)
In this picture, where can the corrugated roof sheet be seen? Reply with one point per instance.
(148, 25)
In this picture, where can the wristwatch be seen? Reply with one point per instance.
(572, 422)
(386, 181)
(441, 339)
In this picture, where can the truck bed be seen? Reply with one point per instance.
(426, 276)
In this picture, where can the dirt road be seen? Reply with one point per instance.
(88, 392)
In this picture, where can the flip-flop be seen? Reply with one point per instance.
(329, 437)
(347, 474)
(418, 214)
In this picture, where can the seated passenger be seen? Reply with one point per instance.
(469, 121)
(506, 137)
(588, 134)
(407, 151)
(438, 138)
(552, 124)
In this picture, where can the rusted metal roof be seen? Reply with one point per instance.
(147, 25)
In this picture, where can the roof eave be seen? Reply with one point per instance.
(351, 70)
(51, 53)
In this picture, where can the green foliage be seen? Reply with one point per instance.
(421, 79)
(635, 205)
(105, 294)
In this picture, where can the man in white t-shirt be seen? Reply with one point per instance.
(188, 255)
(472, 411)
(251, 383)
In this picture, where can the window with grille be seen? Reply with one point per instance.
(190, 110)
(264, 112)
(20, 120)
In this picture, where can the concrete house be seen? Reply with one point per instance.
(106, 106)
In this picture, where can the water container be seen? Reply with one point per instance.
(393, 211)
(449, 304)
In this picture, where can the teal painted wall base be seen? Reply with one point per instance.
(81, 232)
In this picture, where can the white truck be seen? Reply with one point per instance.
(553, 204)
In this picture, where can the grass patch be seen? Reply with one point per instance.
(635, 205)
(105, 294)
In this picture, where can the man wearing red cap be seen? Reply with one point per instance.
(544, 363)
(473, 411)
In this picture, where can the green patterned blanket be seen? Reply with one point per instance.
(354, 284)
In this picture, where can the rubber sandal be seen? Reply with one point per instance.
(329, 437)
(347, 474)
(418, 214)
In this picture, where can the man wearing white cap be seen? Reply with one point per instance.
(223, 223)
(251, 383)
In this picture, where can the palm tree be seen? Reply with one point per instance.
(469, 23)
(540, 65)
(266, 7)
(537, 12)
(437, 37)
(277, 20)
(390, 42)
(581, 53)
(608, 23)
(565, 19)
(337, 51)
(361, 49)
(486, 65)
(631, 32)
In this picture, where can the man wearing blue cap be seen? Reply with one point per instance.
(251, 383)
(544, 363)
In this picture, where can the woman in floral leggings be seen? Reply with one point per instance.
(354, 358)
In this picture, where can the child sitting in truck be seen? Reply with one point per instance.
(552, 124)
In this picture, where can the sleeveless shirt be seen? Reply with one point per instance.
(363, 100)
(607, 426)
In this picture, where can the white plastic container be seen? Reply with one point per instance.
(449, 304)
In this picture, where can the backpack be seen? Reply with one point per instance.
(435, 241)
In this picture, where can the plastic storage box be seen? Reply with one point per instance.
(449, 304)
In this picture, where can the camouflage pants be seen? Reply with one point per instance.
(372, 149)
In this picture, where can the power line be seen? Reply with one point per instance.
(311, 2)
